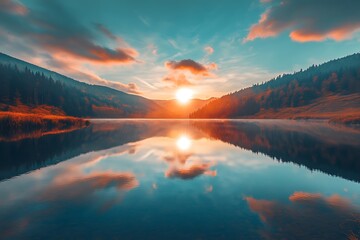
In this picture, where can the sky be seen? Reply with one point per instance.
(153, 48)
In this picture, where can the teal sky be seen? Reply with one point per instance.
(139, 46)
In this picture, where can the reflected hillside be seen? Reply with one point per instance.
(18, 157)
(316, 145)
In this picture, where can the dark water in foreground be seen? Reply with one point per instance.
(157, 179)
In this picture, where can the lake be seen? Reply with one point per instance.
(182, 179)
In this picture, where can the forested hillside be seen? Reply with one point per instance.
(331, 81)
(25, 86)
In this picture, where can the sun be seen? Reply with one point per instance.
(184, 95)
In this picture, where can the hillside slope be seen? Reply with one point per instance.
(31, 85)
(323, 91)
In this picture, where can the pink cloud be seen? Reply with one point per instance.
(177, 80)
(13, 7)
(308, 20)
(209, 50)
(307, 215)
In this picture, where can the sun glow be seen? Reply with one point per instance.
(183, 143)
(184, 95)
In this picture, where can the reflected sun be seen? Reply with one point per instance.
(183, 143)
(184, 95)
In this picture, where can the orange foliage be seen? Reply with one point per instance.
(16, 126)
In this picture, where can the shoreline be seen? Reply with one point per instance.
(16, 126)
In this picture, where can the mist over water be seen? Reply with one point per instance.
(166, 179)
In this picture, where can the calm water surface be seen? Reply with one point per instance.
(172, 179)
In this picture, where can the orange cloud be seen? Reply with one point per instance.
(334, 200)
(308, 20)
(307, 215)
(81, 49)
(74, 69)
(86, 185)
(338, 34)
(177, 80)
(61, 36)
(209, 50)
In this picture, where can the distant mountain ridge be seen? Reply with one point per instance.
(324, 91)
(179, 110)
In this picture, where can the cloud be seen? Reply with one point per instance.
(187, 64)
(83, 187)
(13, 7)
(78, 72)
(209, 50)
(191, 66)
(308, 20)
(67, 45)
(307, 215)
(94, 79)
(191, 171)
(105, 31)
(56, 31)
(182, 71)
(177, 80)
(185, 166)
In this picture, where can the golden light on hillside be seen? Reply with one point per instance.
(184, 95)
(183, 143)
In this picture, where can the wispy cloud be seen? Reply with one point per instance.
(68, 44)
(209, 50)
(144, 21)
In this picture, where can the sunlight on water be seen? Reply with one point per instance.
(183, 143)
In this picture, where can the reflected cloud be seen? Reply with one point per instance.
(184, 164)
(55, 190)
(190, 171)
(83, 187)
(307, 216)
(108, 160)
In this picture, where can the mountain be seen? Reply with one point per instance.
(27, 85)
(179, 110)
(325, 91)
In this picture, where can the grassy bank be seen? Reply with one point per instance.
(15, 126)
(336, 108)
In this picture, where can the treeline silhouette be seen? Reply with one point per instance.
(19, 157)
(24, 84)
(340, 76)
(36, 89)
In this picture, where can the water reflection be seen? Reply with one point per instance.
(183, 143)
(318, 215)
(183, 179)
(316, 145)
